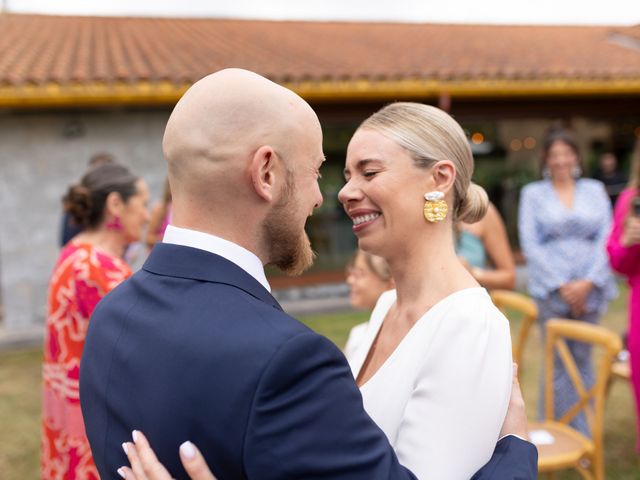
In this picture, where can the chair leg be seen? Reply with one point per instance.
(586, 473)
(608, 387)
(597, 467)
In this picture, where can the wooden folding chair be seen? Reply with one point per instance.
(621, 369)
(508, 301)
(570, 448)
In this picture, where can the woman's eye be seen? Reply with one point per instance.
(368, 174)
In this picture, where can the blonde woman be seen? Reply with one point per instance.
(368, 277)
(436, 344)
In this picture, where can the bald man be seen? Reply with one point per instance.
(195, 347)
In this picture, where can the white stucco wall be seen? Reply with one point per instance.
(41, 154)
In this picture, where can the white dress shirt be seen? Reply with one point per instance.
(246, 260)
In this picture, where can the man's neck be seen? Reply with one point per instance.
(232, 251)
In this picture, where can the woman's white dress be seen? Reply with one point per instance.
(442, 395)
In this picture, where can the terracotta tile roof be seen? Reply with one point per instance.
(93, 56)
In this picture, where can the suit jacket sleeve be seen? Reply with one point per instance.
(513, 459)
(307, 420)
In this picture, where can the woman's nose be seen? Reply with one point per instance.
(347, 192)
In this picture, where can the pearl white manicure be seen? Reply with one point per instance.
(188, 450)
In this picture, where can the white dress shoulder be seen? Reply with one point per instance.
(442, 395)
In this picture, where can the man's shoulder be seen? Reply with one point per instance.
(201, 308)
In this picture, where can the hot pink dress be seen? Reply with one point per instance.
(81, 277)
(626, 260)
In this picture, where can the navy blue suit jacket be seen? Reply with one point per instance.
(194, 348)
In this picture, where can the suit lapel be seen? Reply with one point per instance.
(192, 263)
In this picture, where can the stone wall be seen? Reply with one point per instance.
(41, 154)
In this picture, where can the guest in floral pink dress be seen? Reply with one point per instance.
(624, 253)
(110, 203)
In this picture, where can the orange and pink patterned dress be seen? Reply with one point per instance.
(81, 277)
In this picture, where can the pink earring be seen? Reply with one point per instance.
(114, 224)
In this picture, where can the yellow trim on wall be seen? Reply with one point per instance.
(53, 95)
(91, 95)
(403, 89)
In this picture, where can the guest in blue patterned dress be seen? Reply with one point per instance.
(563, 224)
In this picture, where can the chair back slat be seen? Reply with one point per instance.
(570, 364)
(508, 301)
(591, 401)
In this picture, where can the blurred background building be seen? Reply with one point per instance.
(72, 86)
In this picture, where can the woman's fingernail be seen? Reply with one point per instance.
(121, 472)
(134, 435)
(124, 447)
(188, 450)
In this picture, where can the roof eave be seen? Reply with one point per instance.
(165, 93)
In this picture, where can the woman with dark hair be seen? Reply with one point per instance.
(70, 228)
(563, 224)
(623, 247)
(110, 203)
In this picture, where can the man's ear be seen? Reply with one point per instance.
(444, 175)
(264, 171)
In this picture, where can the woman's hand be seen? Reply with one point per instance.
(631, 232)
(515, 423)
(575, 293)
(146, 466)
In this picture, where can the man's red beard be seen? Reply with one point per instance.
(289, 246)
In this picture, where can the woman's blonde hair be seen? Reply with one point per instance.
(377, 265)
(431, 135)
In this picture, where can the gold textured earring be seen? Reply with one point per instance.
(435, 207)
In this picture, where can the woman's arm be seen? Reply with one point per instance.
(576, 292)
(599, 272)
(624, 259)
(541, 270)
(496, 243)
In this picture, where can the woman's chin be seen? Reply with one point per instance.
(356, 302)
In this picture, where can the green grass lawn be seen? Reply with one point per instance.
(20, 401)
(20, 378)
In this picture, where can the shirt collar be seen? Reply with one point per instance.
(233, 252)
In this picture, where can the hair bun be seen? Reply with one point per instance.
(474, 206)
(77, 203)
